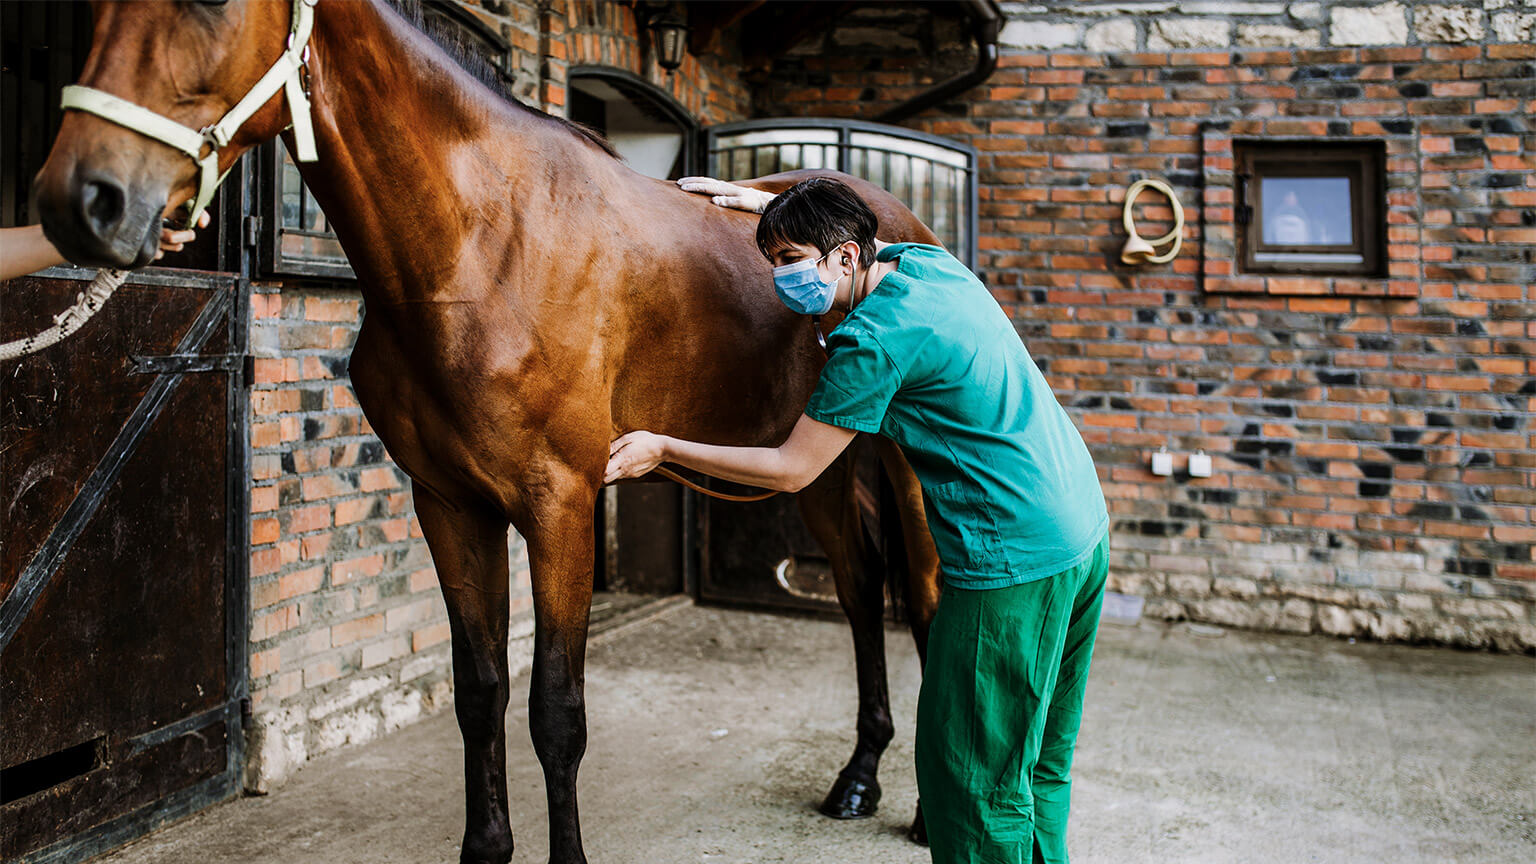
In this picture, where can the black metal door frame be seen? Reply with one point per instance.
(229, 305)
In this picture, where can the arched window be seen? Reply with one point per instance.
(650, 130)
(933, 176)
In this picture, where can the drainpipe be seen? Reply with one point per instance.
(986, 22)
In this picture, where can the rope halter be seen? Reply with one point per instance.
(287, 74)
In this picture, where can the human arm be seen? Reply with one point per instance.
(728, 194)
(25, 250)
(789, 467)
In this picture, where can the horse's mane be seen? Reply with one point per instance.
(451, 39)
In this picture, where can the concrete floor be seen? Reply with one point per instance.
(714, 733)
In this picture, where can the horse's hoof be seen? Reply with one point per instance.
(918, 833)
(851, 799)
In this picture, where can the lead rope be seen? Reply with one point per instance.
(87, 303)
(742, 499)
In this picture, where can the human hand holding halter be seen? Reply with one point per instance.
(633, 455)
(25, 250)
(728, 194)
(172, 240)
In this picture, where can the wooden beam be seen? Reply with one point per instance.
(773, 31)
(707, 20)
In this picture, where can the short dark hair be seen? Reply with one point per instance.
(821, 212)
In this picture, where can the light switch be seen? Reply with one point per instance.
(1200, 465)
(1162, 463)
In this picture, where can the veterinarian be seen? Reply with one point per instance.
(927, 358)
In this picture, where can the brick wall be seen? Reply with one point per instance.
(1373, 438)
(349, 635)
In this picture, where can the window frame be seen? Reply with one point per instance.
(844, 136)
(273, 260)
(1363, 163)
(497, 52)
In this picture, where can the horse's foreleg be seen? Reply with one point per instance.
(560, 550)
(832, 515)
(469, 549)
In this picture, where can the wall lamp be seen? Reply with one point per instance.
(669, 36)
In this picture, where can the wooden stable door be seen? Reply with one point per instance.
(122, 603)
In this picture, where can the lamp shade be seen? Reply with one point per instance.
(671, 42)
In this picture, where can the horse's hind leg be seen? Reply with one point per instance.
(469, 549)
(923, 578)
(832, 515)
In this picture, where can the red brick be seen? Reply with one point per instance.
(428, 636)
(264, 531)
(263, 499)
(358, 628)
(307, 519)
(301, 582)
(325, 486)
(423, 580)
(264, 663)
(316, 546)
(375, 479)
(404, 617)
(356, 510)
(352, 569)
(267, 560)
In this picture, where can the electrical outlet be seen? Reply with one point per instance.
(1162, 463)
(1200, 465)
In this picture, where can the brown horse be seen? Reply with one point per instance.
(528, 298)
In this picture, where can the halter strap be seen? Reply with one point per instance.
(286, 74)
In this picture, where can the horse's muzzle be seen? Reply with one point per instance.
(95, 220)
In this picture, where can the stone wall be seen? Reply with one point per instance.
(349, 635)
(1373, 438)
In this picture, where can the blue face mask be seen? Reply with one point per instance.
(801, 288)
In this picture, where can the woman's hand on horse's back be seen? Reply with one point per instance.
(633, 455)
(728, 194)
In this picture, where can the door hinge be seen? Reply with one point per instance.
(252, 228)
(185, 364)
(245, 711)
(1243, 214)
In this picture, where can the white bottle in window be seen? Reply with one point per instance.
(1288, 224)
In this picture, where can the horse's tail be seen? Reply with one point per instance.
(883, 530)
(893, 549)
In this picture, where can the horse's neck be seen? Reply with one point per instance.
(419, 163)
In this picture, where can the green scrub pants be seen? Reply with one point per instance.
(998, 715)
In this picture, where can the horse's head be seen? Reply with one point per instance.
(107, 184)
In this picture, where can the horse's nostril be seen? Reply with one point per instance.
(102, 202)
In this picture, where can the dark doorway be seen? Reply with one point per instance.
(643, 535)
(122, 511)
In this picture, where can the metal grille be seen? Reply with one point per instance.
(933, 176)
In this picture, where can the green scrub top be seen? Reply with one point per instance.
(929, 360)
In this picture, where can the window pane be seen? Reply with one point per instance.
(306, 233)
(292, 193)
(1306, 211)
